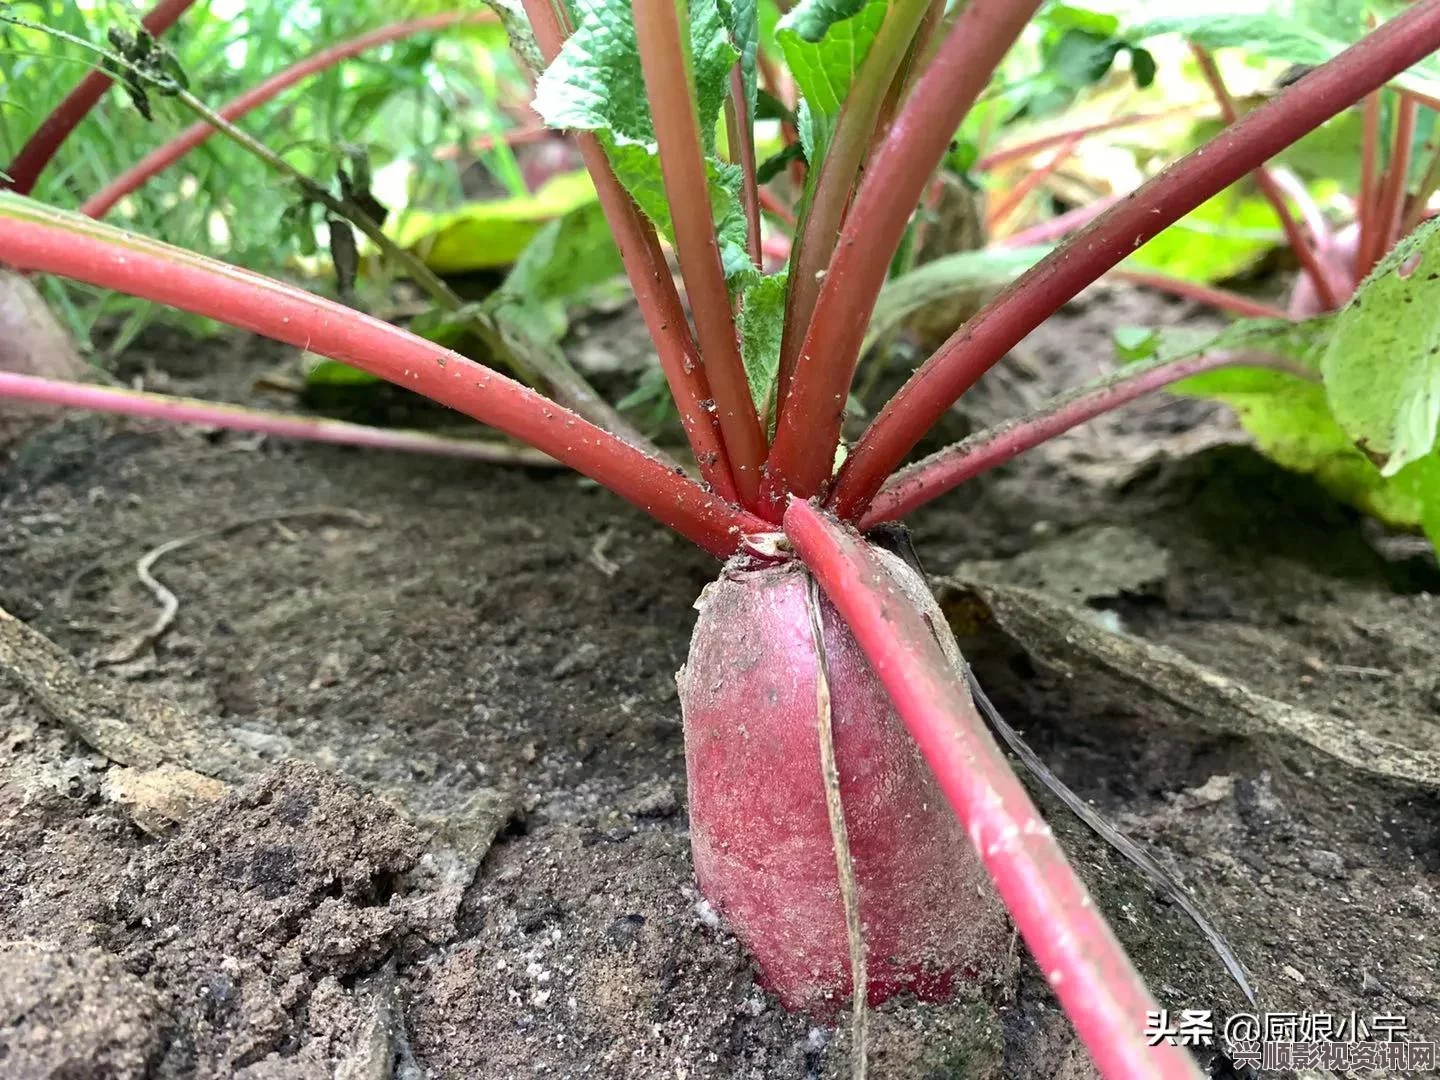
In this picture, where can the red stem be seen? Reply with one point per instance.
(809, 426)
(100, 204)
(35, 239)
(481, 144)
(1020, 151)
(1083, 963)
(36, 154)
(835, 183)
(1307, 255)
(1059, 226)
(1032, 179)
(1310, 214)
(773, 206)
(926, 480)
(183, 410)
(1221, 299)
(654, 287)
(682, 165)
(1236, 151)
(742, 152)
(1390, 202)
(1366, 209)
(1417, 205)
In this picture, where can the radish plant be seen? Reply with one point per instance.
(818, 655)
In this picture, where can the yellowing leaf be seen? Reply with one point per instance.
(490, 235)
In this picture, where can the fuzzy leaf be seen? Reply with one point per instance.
(568, 258)
(1295, 31)
(762, 318)
(517, 26)
(596, 84)
(825, 42)
(1382, 370)
(1289, 416)
(742, 19)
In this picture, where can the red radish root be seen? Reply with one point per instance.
(32, 343)
(763, 846)
(895, 626)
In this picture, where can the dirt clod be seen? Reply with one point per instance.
(75, 1013)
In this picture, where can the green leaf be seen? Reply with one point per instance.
(825, 42)
(1134, 343)
(772, 166)
(1289, 415)
(326, 372)
(1066, 17)
(596, 84)
(517, 26)
(1223, 237)
(1081, 58)
(1076, 49)
(964, 271)
(568, 257)
(1273, 36)
(762, 318)
(1382, 370)
(743, 21)
(489, 235)
(1294, 31)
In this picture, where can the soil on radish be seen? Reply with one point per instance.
(455, 845)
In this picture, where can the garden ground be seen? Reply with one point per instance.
(448, 836)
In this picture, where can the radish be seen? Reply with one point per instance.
(822, 734)
(758, 822)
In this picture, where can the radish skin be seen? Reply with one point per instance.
(762, 841)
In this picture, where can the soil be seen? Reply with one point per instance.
(444, 830)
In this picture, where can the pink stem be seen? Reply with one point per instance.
(1223, 299)
(1083, 963)
(1085, 256)
(1294, 189)
(157, 161)
(650, 278)
(775, 208)
(742, 153)
(36, 154)
(1390, 200)
(182, 410)
(1020, 151)
(836, 179)
(1030, 182)
(35, 239)
(1062, 225)
(946, 469)
(1305, 252)
(682, 167)
(483, 144)
(1366, 210)
(803, 457)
